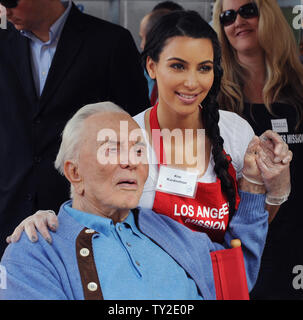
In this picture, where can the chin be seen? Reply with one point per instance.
(129, 202)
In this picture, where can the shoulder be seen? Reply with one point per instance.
(95, 25)
(41, 250)
(33, 254)
(231, 120)
(232, 126)
(237, 134)
(10, 30)
(139, 118)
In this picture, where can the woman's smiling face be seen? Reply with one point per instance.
(184, 73)
(243, 33)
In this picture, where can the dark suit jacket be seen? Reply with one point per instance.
(95, 61)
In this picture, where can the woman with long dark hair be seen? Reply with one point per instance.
(183, 55)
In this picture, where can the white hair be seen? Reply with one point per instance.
(69, 148)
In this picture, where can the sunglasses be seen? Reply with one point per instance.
(9, 3)
(248, 11)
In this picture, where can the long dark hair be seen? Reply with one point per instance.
(191, 24)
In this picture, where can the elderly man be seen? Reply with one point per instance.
(107, 248)
(54, 59)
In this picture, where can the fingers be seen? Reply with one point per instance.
(272, 141)
(52, 220)
(15, 236)
(253, 145)
(44, 219)
(288, 158)
(30, 231)
(40, 221)
(262, 163)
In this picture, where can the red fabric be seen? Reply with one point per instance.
(229, 274)
(208, 212)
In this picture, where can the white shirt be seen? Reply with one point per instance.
(236, 132)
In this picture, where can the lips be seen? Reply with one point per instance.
(187, 98)
(243, 32)
(128, 184)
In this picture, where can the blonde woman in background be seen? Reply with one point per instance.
(263, 82)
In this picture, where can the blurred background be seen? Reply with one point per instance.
(128, 13)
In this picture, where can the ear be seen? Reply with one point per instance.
(71, 172)
(151, 67)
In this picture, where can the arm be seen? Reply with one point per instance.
(274, 164)
(250, 225)
(266, 164)
(29, 273)
(266, 169)
(272, 211)
(250, 221)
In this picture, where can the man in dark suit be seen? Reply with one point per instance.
(54, 60)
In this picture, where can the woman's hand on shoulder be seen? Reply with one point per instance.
(42, 220)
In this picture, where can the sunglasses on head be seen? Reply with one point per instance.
(9, 3)
(248, 11)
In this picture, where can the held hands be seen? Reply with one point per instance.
(266, 168)
(266, 163)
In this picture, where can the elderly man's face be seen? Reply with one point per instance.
(112, 173)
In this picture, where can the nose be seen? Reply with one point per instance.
(126, 161)
(191, 81)
(239, 21)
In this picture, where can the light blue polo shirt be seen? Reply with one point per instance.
(130, 265)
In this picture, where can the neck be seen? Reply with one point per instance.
(168, 119)
(53, 13)
(254, 61)
(255, 76)
(85, 205)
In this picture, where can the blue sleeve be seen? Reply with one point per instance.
(32, 278)
(250, 225)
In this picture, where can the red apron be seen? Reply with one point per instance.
(208, 212)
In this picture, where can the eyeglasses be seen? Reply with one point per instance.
(248, 11)
(9, 3)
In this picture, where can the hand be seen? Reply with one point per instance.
(42, 220)
(251, 171)
(273, 161)
(252, 180)
(273, 143)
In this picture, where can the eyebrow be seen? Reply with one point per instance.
(137, 143)
(101, 142)
(181, 60)
(140, 143)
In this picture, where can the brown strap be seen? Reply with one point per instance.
(87, 267)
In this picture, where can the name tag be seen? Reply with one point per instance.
(279, 125)
(176, 181)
